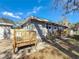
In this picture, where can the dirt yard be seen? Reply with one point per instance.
(48, 52)
(5, 45)
(43, 51)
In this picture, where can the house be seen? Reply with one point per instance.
(77, 27)
(5, 26)
(42, 27)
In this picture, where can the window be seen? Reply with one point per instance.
(30, 27)
(47, 26)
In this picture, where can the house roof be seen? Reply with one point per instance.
(4, 21)
(35, 19)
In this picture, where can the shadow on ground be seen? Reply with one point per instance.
(67, 52)
(76, 37)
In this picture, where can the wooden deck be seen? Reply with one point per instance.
(23, 37)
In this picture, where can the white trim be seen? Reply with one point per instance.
(5, 24)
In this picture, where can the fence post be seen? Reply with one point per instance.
(14, 41)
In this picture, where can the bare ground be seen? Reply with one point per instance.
(47, 53)
(43, 51)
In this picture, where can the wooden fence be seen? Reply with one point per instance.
(23, 37)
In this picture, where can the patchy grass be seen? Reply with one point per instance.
(48, 53)
(76, 53)
(74, 42)
(77, 32)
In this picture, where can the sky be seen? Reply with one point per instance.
(20, 9)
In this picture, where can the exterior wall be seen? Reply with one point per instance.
(1, 32)
(40, 29)
(4, 29)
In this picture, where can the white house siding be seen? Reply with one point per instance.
(38, 36)
(41, 32)
(39, 28)
(27, 27)
(2, 30)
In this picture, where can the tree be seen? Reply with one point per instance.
(67, 5)
(77, 23)
(64, 21)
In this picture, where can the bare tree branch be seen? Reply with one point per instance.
(67, 5)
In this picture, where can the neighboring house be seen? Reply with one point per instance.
(77, 27)
(5, 26)
(42, 27)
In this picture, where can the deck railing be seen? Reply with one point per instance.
(23, 37)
